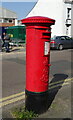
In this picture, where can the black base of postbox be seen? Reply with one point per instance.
(36, 102)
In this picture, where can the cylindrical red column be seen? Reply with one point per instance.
(38, 34)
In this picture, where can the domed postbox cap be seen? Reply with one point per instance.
(38, 20)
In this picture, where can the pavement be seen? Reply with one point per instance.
(60, 97)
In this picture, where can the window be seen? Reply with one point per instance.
(10, 21)
(62, 38)
(5, 20)
(68, 38)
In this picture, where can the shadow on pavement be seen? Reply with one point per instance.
(54, 86)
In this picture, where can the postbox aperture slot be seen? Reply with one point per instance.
(47, 34)
(46, 48)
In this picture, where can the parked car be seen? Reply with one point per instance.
(61, 42)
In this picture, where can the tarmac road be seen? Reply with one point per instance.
(13, 69)
(13, 72)
(13, 77)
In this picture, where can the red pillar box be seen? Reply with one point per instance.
(38, 34)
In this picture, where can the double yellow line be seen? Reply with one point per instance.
(12, 99)
(60, 83)
(20, 96)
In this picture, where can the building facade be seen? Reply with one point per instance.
(60, 10)
(72, 20)
(7, 17)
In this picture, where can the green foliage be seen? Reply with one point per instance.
(22, 114)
